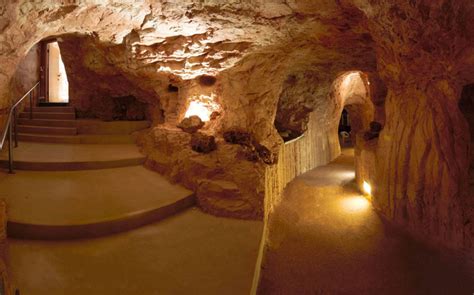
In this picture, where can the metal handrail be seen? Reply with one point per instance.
(9, 127)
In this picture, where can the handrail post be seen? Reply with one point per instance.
(31, 105)
(11, 128)
(10, 148)
(15, 127)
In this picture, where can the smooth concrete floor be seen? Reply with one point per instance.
(189, 253)
(82, 197)
(53, 152)
(324, 238)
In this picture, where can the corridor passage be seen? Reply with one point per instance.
(325, 238)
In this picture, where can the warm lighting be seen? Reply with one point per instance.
(355, 204)
(367, 188)
(197, 108)
(202, 106)
(352, 85)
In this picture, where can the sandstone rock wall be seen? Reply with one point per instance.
(365, 158)
(424, 56)
(225, 182)
(26, 75)
(97, 88)
(316, 147)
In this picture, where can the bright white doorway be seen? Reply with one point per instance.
(57, 78)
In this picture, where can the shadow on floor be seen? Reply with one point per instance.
(325, 238)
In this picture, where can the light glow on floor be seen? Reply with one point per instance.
(355, 204)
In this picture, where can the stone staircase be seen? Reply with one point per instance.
(82, 178)
(48, 124)
(58, 124)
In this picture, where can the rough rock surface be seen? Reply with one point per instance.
(97, 88)
(203, 143)
(115, 108)
(268, 63)
(297, 100)
(238, 137)
(169, 152)
(425, 56)
(191, 124)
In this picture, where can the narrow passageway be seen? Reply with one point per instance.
(325, 238)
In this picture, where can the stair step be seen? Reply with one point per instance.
(49, 138)
(51, 109)
(62, 157)
(53, 104)
(53, 116)
(47, 130)
(46, 122)
(71, 166)
(70, 205)
(84, 139)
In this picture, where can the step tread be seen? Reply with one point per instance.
(46, 113)
(47, 127)
(47, 130)
(156, 190)
(68, 157)
(77, 139)
(36, 152)
(43, 114)
(46, 122)
(84, 211)
(50, 110)
(47, 135)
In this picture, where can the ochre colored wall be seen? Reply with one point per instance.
(27, 73)
(315, 148)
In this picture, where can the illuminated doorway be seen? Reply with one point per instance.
(53, 74)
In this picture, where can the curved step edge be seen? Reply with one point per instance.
(72, 166)
(18, 230)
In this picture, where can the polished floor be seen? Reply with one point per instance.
(189, 253)
(325, 238)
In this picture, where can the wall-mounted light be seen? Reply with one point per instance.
(202, 106)
(367, 188)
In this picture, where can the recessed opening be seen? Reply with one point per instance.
(172, 88)
(345, 129)
(206, 80)
(295, 105)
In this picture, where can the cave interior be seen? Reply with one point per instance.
(247, 120)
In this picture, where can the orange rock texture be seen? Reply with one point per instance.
(270, 67)
(425, 56)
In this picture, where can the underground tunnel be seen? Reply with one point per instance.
(237, 147)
